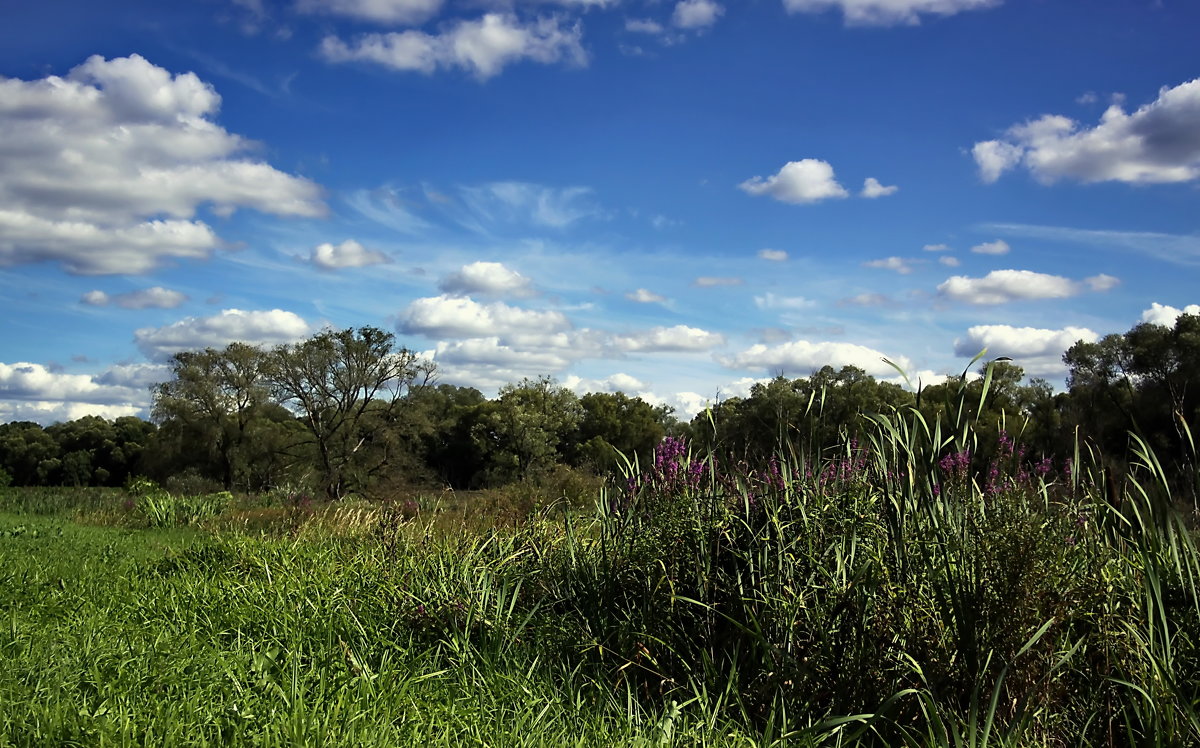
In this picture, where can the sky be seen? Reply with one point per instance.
(673, 199)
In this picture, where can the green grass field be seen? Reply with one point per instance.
(117, 636)
(905, 591)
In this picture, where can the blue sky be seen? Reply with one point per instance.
(670, 198)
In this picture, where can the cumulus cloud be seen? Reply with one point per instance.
(28, 381)
(936, 248)
(483, 47)
(872, 188)
(348, 254)
(804, 357)
(772, 255)
(487, 279)
(1158, 143)
(1161, 314)
(807, 181)
(898, 264)
(619, 382)
(994, 157)
(887, 12)
(949, 261)
(103, 170)
(1002, 286)
(33, 392)
(264, 328)
(462, 317)
(696, 14)
(709, 281)
(680, 339)
(155, 297)
(1037, 350)
(643, 296)
(493, 352)
(998, 247)
(398, 12)
(47, 412)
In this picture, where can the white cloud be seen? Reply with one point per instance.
(103, 170)
(994, 157)
(264, 328)
(770, 300)
(1102, 282)
(936, 248)
(1002, 286)
(998, 247)
(1037, 350)
(491, 351)
(643, 296)
(155, 297)
(643, 26)
(1161, 314)
(487, 278)
(949, 261)
(872, 188)
(348, 254)
(619, 382)
(772, 255)
(95, 298)
(491, 361)
(461, 317)
(804, 357)
(27, 381)
(887, 12)
(898, 264)
(32, 392)
(484, 47)
(47, 412)
(1158, 143)
(807, 181)
(135, 376)
(680, 338)
(399, 12)
(709, 281)
(696, 14)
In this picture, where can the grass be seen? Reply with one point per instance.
(908, 590)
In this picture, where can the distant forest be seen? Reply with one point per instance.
(347, 412)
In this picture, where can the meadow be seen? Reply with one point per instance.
(916, 586)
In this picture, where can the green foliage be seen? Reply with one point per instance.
(615, 425)
(162, 509)
(347, 386)
(527, 428)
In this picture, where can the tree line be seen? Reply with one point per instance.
(348, 411)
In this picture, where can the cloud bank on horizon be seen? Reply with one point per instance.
(657, 198)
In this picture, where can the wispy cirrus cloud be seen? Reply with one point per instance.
(1182, 249)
